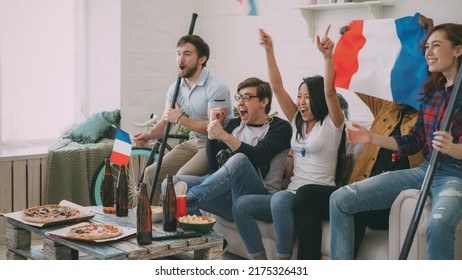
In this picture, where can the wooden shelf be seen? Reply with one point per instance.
(375, 7)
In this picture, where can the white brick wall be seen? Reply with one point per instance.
(150, 30)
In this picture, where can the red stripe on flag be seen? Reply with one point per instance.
(118, 158)
(346, 54)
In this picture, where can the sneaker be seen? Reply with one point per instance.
(180, 188)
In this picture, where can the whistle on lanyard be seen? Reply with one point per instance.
(394, 156)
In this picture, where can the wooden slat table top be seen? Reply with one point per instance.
(127, 248)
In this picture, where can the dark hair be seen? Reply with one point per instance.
(318, 105)
(201, 46)
(343, 105)
(453, 33)
(263, 90)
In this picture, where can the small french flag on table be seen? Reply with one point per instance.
(382, 58)
(122, 148)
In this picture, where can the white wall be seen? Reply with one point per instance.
(150, 30)
(103, 55)
(130, 48)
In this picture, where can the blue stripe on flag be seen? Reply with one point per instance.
(248, 7)
(410, 70)
(123, 136)
(253, 8)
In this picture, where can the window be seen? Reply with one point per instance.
(36, 68)
(44, 66)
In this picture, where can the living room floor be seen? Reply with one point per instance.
(186, 256)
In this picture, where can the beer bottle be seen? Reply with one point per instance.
(108, 185)
(122, 193)
(143, 217)
(169, 206)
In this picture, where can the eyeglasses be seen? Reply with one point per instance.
(246, 97)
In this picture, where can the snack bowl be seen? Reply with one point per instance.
(156, 213)
(202, 224)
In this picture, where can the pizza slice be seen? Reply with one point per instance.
(94, 231)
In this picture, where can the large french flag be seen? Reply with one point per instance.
(382, 58)
(122, 148)
(248, 7)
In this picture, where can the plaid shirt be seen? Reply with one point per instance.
(431, 115)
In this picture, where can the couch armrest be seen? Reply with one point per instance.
(401, 214)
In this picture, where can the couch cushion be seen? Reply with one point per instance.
(235, 243)
(373, 247)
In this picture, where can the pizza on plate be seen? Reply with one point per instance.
(50, 213)
(94, 232)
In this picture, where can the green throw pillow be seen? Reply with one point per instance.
(95, 128)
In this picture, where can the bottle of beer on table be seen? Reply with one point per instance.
(169, 206)
(143, 217)
(122, 193)
(108, 185)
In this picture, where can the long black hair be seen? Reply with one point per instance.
(318, 104)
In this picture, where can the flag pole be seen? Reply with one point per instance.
(433, 165)
(168, 124)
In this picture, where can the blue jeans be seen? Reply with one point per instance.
(380, 191)
(279, 209)
(247, 210)
(217, 192)
(282, 209)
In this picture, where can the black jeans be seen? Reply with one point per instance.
(311, 206)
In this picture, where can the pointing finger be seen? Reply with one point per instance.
(327, 31)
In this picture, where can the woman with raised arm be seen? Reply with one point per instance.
(443, 52)
(317, 124)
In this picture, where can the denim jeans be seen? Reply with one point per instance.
(217, 192)
(278, 209)
(282, 210)
(247, 210)
(380, 191)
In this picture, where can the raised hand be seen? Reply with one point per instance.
(215, 130)
(217, 114)
(325, 45)
(265, 41)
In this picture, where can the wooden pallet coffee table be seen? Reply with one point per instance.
(18, 242)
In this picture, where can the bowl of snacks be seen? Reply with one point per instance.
(156, 213)
(202, 224)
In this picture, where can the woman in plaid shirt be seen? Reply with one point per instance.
(443, 52)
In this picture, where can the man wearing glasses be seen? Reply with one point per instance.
(248, 154)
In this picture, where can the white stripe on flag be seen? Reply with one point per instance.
(122, 147)
(377, 58)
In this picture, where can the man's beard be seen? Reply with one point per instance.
(190, 72)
